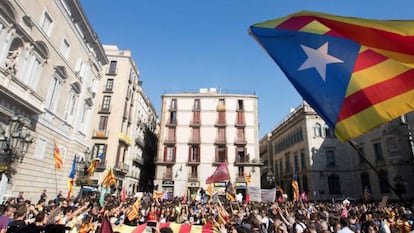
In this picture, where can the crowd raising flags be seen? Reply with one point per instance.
(356, 73)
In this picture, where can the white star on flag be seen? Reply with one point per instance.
(318, 59)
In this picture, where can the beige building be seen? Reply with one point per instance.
(50, 65)
(125, 125)
(199, 131)
(326, 168)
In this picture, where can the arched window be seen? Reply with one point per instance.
(317, 130)
(13, 55)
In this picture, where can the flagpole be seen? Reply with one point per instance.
(56, 181)
(353, 145)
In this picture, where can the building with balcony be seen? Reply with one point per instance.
(198, 131)
(50, 65)
(326, 168)
(125, 125)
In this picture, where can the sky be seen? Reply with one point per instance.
(185, 45)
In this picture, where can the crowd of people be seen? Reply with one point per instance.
(86, 215)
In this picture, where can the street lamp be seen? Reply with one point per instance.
(14, 142)
(270, 178)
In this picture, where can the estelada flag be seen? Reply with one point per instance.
(220, 174)
(71, 178)
(57, 157)
(295, 187)
(355, 73)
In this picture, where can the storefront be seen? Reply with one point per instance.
(168, 187)
(193, 188)
(241, 187)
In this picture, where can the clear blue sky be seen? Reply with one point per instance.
(190, 44)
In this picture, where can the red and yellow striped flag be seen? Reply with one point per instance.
(57, 157)
(109, 178)
(295, 187)
(134, 211)
(247, 178)
(157, 194)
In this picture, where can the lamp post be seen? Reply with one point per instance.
(14, 142)
(82, 168)
(270, 178)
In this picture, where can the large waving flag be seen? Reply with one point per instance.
(71, 178)
(94, 164)
(356, 73)
(220, 174)
(57, 157)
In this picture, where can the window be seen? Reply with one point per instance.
(99, 149)
(40, 149)
(240, 153)
(197, 105)
(317, 130)
(71, 106)
(221, 134)
(327, 131)
(240, 118)
(221, 117)
(103, 123)
(196, 117)
(169, 155)
(194, 154)
(65, 48)
(240, 106)
(106, 103)
(366, 184)
(112, 67)
(171, 135)
(168, 172)
(305, 185)
(362, 151)
(46, 23)
(378, 152)
(296, 162)
(330, 158)
(196, 134)
(173, 104)
(221, 153)
(334, 184)
(53, 93)
(287, 162)
(302, 160)
(383, 181)
(109, 84)
(173, 118)
(221, 102)
(193, 172)
(34, 66)
(240, 171)
(240, 134)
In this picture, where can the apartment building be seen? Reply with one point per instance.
(125, 126)
(326, 168)
(50, 66)
(201, 129)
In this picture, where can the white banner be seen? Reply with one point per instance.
(3, 186)
(261, 195)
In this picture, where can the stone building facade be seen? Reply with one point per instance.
(50, 66)
(199, 131)
(326, 168)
